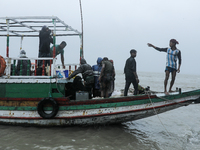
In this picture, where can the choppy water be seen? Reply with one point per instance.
(178, 129)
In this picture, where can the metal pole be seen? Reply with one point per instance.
(7, 48)
(81, 36)
(54, 39)
(21, 42)
(54, 46)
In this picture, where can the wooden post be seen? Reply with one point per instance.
(35, 67)
(69, 68)
(43, 68)
(50, 66)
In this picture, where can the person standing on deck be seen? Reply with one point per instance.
(97, 71)
(171, 65)
(105, 77)
(131, 73)
(59, 50)
(112, 85)
(44, 44)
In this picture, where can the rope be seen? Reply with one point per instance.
(161, 121)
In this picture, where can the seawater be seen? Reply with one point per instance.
(177, 129)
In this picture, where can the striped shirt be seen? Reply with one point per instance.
(172, 56)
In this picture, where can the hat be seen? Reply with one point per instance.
(45, 27)
(133, 51)
(174, 41)
(22, 53)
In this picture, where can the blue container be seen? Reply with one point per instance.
(66, 72)
(59, 75)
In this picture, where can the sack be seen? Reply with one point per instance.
(89, 79)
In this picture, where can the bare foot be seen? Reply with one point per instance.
(166, 93)
(170, 91)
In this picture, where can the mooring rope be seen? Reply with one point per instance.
(160, 119)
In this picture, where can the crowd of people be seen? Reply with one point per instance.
(99, 79)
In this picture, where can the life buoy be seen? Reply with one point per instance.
(2, 65)
(42, 103)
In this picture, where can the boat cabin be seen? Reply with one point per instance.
(39, 81)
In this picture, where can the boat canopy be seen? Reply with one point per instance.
(30, 26)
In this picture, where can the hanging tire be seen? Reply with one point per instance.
(2, 66)
(41, 111)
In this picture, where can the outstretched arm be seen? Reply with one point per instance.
(62, 60)
(151, 45)
(157, 48)
(77, 71)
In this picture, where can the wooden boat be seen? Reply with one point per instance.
(42, 100)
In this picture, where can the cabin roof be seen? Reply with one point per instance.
(30, 26)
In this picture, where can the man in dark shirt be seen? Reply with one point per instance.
(59, 50)
(130, 73)
(87, 74)
(105, 77)
(44, 44)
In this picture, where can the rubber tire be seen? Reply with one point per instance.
(2, 65)
(41, 106)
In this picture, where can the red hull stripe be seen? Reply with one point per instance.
(66, 101)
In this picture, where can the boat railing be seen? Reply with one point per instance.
(44, 70)
(67, 70)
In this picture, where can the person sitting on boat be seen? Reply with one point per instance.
(105, 77)
(59, 50)
(23, 66)
(97, 71)
(171, 65)
(131, 73)
(87, 74)
(45, 39)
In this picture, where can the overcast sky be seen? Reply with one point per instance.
(113, 27)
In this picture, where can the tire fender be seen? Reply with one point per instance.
(41, 111)
(2, 65)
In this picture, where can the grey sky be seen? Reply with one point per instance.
(113, 27)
